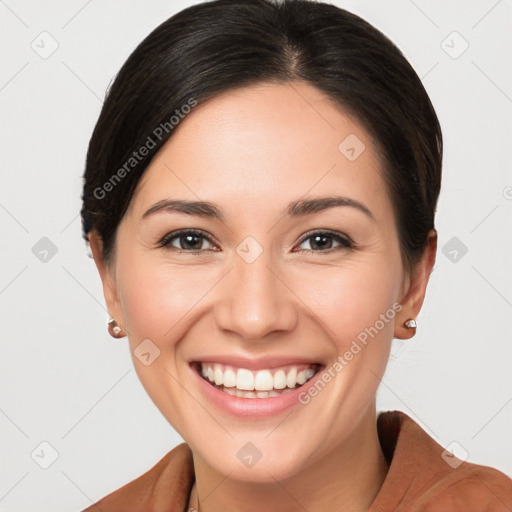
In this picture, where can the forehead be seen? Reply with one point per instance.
(271, 143)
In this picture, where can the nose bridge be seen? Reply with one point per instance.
(255, 300)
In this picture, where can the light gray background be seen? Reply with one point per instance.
(66, 382)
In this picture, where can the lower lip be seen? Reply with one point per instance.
(252, 407)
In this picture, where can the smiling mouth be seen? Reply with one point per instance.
(265, 383)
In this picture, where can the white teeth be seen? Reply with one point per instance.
(304, 375)
(217, 372)
(279, 379)
(263, 381)
(244, 379)
(291, 378)
(229, 379)
(301, 377)
(258, 384)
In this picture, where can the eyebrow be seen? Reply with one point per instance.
(298, 208)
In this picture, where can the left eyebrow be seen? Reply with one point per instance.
(310, 206)
(298, 208)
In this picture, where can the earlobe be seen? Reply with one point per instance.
(413, 300)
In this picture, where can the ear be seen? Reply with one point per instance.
(412, 301)
(108, 279)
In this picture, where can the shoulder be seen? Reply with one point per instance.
(424, 477)
(168, 481)
(470, 488)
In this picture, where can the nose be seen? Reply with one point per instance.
(256, 301)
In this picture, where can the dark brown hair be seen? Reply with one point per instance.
(220, 45)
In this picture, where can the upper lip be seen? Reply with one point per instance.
(255, 363)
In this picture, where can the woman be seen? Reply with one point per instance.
(259, 199)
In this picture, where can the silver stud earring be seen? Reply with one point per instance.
(113, 329)
(410, 323)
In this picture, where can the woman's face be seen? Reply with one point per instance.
(254, 291)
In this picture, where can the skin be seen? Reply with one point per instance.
(251, 151)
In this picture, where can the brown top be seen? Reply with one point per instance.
(420, 478)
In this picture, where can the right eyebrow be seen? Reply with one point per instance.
(200, 208)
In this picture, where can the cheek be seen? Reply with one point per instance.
(160, 302)
(156, 297)
(356, 301)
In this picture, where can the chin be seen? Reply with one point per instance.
(253, 461)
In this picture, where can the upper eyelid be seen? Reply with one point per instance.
(174, 234)
(325, 232)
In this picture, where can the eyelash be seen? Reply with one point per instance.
(345, 242)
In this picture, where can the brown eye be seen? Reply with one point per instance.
(186, 241)
(323, 241)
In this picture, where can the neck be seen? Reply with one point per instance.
(348, 478)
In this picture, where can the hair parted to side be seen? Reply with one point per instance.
(216, 46)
